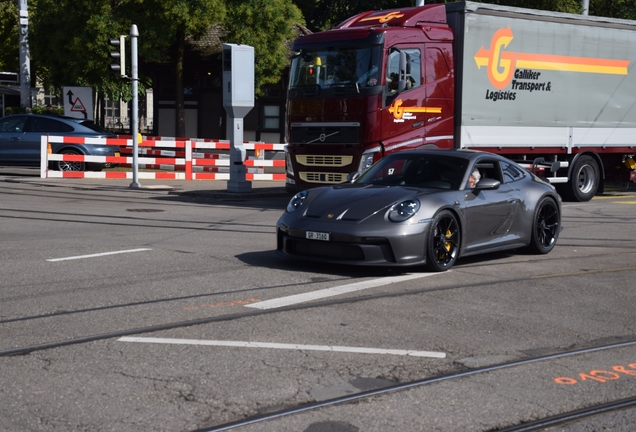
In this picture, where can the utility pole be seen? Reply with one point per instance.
(586, 7)
(25, 58)
(134, 72)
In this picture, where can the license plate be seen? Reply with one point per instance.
(313, 235)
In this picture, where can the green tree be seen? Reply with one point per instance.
(166, 25)
(9, 49)
(625, 9)
(268, 26)
(69, 41)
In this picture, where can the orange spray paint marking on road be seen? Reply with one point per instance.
(601, 376)
(223, 304)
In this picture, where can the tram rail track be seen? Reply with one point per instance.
(536, 425)
(572, 416)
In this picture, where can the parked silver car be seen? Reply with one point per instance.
(425, 207)
(20, 136)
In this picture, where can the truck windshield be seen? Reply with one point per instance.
(336, 67)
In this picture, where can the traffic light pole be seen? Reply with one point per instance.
(25, 57)
(134, 34)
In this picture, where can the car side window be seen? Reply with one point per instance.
(44, 124)
(13, 124)
(511, 173)
(489, 169)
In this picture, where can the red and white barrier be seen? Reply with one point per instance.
(180, 157)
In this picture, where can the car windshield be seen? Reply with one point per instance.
(425, 170)
(336, 67)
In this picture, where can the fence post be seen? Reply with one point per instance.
(44, 155)
(188, 160)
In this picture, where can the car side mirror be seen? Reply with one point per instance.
(487, 184)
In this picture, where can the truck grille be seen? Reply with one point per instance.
(325, 133)
(324, 161)
(318, 177)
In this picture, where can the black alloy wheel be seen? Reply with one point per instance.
(545, 227)
(442, 245)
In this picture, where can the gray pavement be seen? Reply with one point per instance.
(196, 188)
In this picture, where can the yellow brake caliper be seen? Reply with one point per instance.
(448, 244)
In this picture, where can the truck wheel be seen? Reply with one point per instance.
(584, 182)
(442, 244)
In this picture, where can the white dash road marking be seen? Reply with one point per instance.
(331, 292)
(239, 344)
(97, 255)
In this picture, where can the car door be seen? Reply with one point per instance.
(36, 127)
(11, 140)
(490, 214)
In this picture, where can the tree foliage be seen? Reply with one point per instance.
(625, 9)
(9, 51)
(161, 21)
(70, 37)
(268, 26)
(69, 41)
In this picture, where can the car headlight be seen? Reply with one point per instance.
(296, 201)
(404, 210)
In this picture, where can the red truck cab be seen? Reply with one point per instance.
(382, 81)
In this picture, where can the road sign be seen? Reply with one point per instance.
(78, 102)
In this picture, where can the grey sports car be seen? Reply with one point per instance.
(423, 207)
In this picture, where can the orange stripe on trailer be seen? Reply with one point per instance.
(572, 64)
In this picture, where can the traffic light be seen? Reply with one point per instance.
(119, 55)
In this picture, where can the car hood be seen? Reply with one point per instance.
(356, 203)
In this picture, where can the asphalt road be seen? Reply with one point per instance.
(140, 311)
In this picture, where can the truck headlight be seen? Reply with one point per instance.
(288, 164)
(366, 161)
